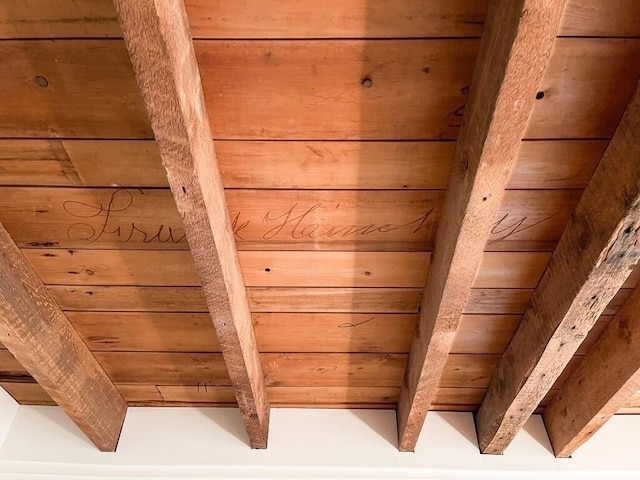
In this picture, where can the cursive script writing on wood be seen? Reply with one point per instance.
(107, 225)
(300, 222)
(117, 218)
(507, 226)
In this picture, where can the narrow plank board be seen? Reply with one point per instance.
(501, 98)
(512, 301)
(334, 269)
(58, 18)
(146, 331)
(447, 399)
(334, 333)
(111, 163)
(293, 332)
(586, 88)
(273, 220)
(404, 18)
(421, 82)
(90, 90)
(601, 385)
(603, 71)
(308, 19)
(37, 332)
(554, 164)
(335, 300)
(57, 266)
(339, 107)
(482, 334)
(104, 163)
(36, 162)
(281, 369)
(462, 399)
(135, 299)
(159, 42)
(192, 332)
(594, 257)
(354, 19)
(280, 269)
(394, 165)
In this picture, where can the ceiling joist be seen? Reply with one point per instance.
(601, 384)
(42, 339)
(514, 52)
(159, 41)
(593, 259)
(608, 376)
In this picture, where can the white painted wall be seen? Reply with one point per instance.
(185, 443)
(8, 410)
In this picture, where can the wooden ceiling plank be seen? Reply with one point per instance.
(592, 261)
(39, 335)
(339, 165)
(161, 50)
(602, 384)
(513, 56)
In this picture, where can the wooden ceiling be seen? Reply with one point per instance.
(353, 139)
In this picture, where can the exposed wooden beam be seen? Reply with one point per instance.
(39, 335)
(602, 384)
(593, 259)
(161, 48)
(514, 52)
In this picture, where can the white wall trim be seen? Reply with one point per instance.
(8, 410)
(191, 443)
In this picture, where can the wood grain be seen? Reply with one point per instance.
(554, 164)
(293, 332)
(37, 332)
(603, 383)
(280, 269)
(91, 91)
(593, 259)
(313, 397)
(275, 269)
(587, 86)
(337, 379)
(159, 42)
(512, 301)
(58, 18)
(280, 19)
(368, 220)
(505, 80)
(378, 19)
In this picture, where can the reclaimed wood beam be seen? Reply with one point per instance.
(514, 52)
(159, 41)
(593, 259)
(604, 381)
(39, 335)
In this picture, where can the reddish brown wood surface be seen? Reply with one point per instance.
(496, 116)
(159, 42)
(37, 332)
(596, 254)
(602, 384)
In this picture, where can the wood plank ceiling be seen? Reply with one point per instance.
(335, 126)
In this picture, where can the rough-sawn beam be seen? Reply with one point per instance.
(610, 372)
(36, 331)
(594, 257)
(514, 52)
(603, 382)
(159, 41)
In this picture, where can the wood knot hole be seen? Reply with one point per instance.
(41, 81)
